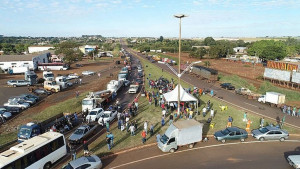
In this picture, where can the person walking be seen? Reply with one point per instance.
(151, 130)
(108, 142)
(191, 114)
(162, 121)
(163, 113)
(150, 100)
(77, 94)
(262, 121)
(111, 136)
(145, 126)
(212, 113)
(155, 101)
(298, 113)
(143, 136)
(245, 117)
(248, 125)
(289, 110)
(204, 111)
(136, 102)
(85, 148)
(75, 117)
(80, 81)
(294, 111)
(107, 126)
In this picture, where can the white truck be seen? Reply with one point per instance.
(94, 115)
(272, 98)
(180, 133)
(62, 81)
(133, 88)
(51, 86)
(94, 99)
(48, 75)
(107, 116)
(18, 70)
(114, 85)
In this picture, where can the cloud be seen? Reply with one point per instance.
(116, 1)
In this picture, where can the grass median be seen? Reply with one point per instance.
(152, 114)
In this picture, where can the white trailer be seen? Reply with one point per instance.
(180, 133)
(18, 70)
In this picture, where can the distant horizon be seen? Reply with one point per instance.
(144, 18)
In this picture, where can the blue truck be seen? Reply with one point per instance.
(28, 131)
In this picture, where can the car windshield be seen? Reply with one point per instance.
(25, 131)
(263, 130)
(225, 132)
(122, 75)
(49, 75)
(164, 139)
(79, 131)
(68, 167)
(87, 102)
(93, 113)
(105, 115)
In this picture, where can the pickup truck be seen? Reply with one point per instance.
(81, 133)
(107, 116)
(243, 91)
(133, 88)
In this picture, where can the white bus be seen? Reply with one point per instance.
(53, 66)
(39, 152)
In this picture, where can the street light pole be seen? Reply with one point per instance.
(179, 16)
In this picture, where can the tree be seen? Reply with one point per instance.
(268, 49)
(209, 41)
(198, 53)
(161, 38)
(70, 51)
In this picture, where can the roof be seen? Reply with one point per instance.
(9, 58)
(184, 96)
(186, 124)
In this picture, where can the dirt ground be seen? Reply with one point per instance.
(91, 83)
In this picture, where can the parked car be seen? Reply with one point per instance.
(227, 86)
(5, 114)
(231, 133)
(126, 83)
(294, 161)
(88, 73)
(79, 65)
(16, 83)
(140, 74)
(41, 92)
(81, 133)
(36, 98)
(87, 162)
(139, 80)
(270, 133)
(72, 76)
(17, 103)
(31, 101)
(13, 110)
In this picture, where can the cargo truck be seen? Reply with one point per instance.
(272, 98)
(180, 133)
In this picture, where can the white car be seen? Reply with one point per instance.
(87, 162)
(95, 114)
(72, 76)
(88, 73)
(107, 116)
(21, 104)
(294, 161)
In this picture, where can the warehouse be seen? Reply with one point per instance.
(30, 61)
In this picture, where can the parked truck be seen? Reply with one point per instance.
(247, 93)
(114, 85)
(18, 70)
(28, 131)
(48, 75)
(96, 99)
(272, 98)
(211, 75)
(51, 86)
(62, 82)
(180, 133)
(122, 76)
(82, 133)
(133, 88)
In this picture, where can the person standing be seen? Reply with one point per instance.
(80, 81)
(75, 117)
(85, 148)
(151, 130)
(157, 137)
(230, 120)
(212, 113)
(77, 94)
(191, 114)
(107, 126)
(143, 136)
(132, 129)
(163, 113)
(155, 101)
(294, 111)
(171, 119)
(136, 102)
(162, 121)
(108, 142)
(245, 117)
(262, 121)
(248, 125)
(145, 126)
(111, 136)
(204, 111)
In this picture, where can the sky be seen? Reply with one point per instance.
(150, 18)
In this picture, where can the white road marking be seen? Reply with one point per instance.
(250, 104)
(198, 148)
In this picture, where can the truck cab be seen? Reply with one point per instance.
(28, 131)
(48, 75)
(52, 86)
(62, 82)
(122, 76)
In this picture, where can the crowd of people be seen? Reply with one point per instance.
(292, 111)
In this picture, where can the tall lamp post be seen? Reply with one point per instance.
(179, 16)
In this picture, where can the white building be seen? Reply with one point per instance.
(35, 49)
(240, 50)
(87, 48)
(31, 61)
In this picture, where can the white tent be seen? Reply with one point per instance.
(172, 96)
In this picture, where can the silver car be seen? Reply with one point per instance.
(16, 83)
(270, 133)
(88, 162)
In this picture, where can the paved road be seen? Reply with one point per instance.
(212, 154)
(233, 99)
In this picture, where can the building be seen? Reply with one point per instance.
(35, 49)
(240, 50)
(31, 61)
(87, 48)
